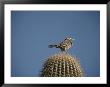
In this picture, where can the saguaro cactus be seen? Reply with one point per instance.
(62, 65)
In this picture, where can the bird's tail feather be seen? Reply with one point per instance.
(50, 46)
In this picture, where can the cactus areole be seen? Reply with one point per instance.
(61, 65)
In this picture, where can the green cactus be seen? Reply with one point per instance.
(62, 65)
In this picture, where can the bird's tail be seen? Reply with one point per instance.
(51, 46)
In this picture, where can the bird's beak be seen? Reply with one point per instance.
(73, 39)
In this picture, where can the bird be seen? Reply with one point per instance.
(64, 45)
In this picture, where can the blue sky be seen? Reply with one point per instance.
(33, 31)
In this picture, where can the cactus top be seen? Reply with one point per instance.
(62, 65)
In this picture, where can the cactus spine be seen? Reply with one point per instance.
(62, 65)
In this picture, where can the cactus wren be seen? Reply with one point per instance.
(65, 45)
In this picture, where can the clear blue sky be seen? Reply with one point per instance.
(33, 31)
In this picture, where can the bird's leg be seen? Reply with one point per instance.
(63, 52)
(66, 52)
